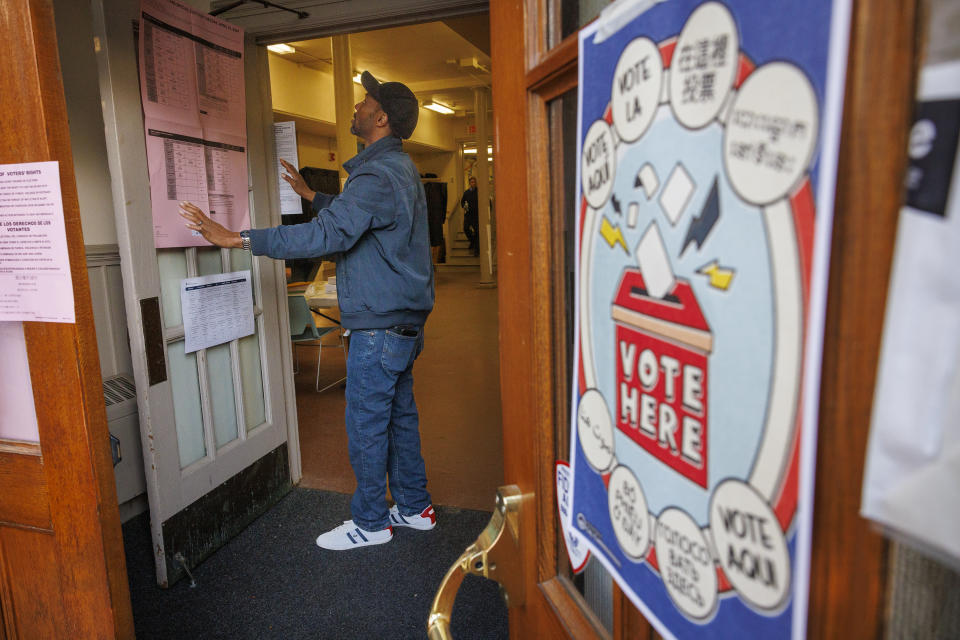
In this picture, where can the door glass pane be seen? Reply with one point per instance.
(241, 260)
(253, 405)
(186, 403)
(209, 261)
(571, 15)
(173, 268)
(220, 375)
(595, 583)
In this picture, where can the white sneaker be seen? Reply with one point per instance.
(425, 521)
(350, 536)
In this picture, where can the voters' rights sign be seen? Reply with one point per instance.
(707, 136)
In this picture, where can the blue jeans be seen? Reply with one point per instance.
(383, 427)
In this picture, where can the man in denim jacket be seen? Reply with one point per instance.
(377, 227)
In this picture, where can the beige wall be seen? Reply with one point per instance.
(314, 151)
(302, 91)
(437, 131)
(305, 92)
(82, 91)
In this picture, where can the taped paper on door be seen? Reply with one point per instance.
(911, 484)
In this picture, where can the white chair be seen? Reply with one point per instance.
(304, 331)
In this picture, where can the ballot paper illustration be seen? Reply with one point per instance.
(704, 128)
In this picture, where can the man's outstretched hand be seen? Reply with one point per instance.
(296, 181)
(212, 232)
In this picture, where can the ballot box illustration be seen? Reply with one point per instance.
(663, 347)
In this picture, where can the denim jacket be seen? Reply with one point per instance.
(378, 225)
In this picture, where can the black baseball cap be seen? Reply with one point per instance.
(396, 100)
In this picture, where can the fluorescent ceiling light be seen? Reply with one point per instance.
(471, 151)
(356, 79)
(281, 48)
(439, 108)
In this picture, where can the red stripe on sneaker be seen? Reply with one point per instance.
(429, 513)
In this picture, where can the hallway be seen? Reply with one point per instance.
(457, 386)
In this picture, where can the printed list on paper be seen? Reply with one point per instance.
(216, 309)
(285, 136)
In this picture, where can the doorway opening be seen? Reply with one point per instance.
(456, 378)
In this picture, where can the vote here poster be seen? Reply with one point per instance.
(708, 137)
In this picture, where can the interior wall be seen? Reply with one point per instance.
(314, 151)
(301, 91)
(74, 22)
(436, 130)
(76, 46)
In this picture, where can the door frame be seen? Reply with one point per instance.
(848, 572)
(527, 258)
(170, 488)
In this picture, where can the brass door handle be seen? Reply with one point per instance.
(495, 555)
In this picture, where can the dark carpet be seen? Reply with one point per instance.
(272, 581)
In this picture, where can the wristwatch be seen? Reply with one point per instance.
(245, 239)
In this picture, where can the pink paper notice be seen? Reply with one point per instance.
(191, 86)
(35, 282)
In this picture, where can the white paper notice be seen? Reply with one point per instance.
(35, 282)
(911, 485)
(285, 135)
(216, 309)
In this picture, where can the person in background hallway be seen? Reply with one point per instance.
(436, 193)
(471, 213)
(378, 226)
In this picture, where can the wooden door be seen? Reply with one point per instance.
(534, 52)
(62, 568)
(214, 424)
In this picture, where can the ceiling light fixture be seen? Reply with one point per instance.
(281, 48)
(356, 78)
(472, 151)
(439, 108)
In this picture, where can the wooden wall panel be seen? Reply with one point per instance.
(29, 584)
(23, 490)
